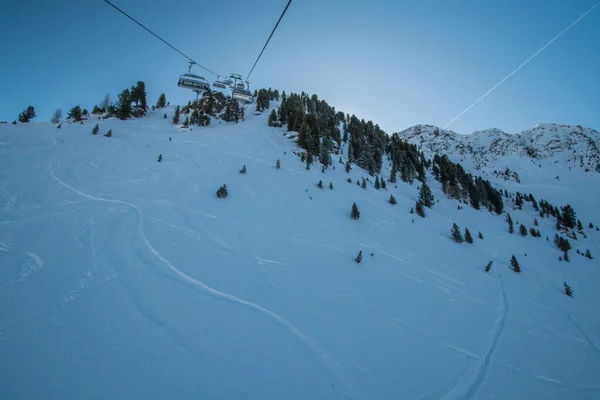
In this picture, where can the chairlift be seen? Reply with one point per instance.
(242, 94)
(219, 84)
(194, 82)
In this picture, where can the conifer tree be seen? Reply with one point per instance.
(358, 258)
(522, 230)
(222, 192)
(26, 115)
(123, 105)
(579, 225)
(456, 234)
(568, 290)
(591, 225)
(392, 200)
(165, 116)
(588, 254)
(412, 210)
(243, 170)
(566, 257)
(95, 130)
(349, 180)
(348, 167)
(510, 223)
(355, 214)
(159, 157)
(364, 183)
(532, 232)
(515, 264)
(272, 118)
(567, 216)
(420, 209)
(426, 196)
(330, 186)
(468, 237)
(162, 101)
(393, 174)
(75, 114)
(479, 235)
(377, 184)
(278, 164)
(109, 133)
(535, 222)
(488, 266)
(383, 184)
(320, 184)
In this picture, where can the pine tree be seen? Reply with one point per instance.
(420, 209)
(535, 222)
(468, 237)
(95, 130)
(278, 164)
(243, 170)
(358, 258)
(412, 210)
(515, 264)
(272, 118)
(392, 200)
(222, 192)
(26, 115)
(566, 257)
(522, 230)
(109, 133)
(349, 180)
(479, 235)
(456, 234)
(162, 101)
(364, 183)
(330, 186)
(568, 290)
(348, 167)
(165, 116)
(320, 184)
(510, 223)
(488, 266)
(377, 184)
(159, 157)
(532, 232)
(579, 225)
(591, 225)
(355, 214)
(588, 254)
(123, 105)
(426, 196)
(383, 184)
(567, 216)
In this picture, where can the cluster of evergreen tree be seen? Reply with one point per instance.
(130, 103)
(75, 114)
(458, 184)
(263, 99)
(406, 160)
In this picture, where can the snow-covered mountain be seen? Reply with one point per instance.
(124, 277)
(573, 146)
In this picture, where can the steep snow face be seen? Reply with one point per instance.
(123, 277)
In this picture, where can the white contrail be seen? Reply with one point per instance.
(520, 66)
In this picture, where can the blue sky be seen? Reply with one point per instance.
(399, 63)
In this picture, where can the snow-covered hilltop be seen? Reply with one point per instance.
(572, 146)
(123, 274)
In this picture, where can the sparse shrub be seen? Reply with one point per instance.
(56, 116)
(222, 192)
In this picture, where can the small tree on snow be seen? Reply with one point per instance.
(109, 133)
(468, 237)
(392, 200)
(330, 186)
(278, 164)
(488, 266)
(568, 290)
(522, 230)
(358, 258)
(222, 192)
(96, 130)
(355, 214)
(479, 235)
(515, 264)
(320, 184)
(456, 234)
(420, 209)
(243, 170)
(26, 115)
(159, 157)
(56, 116)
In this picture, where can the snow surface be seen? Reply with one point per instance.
(122, 277)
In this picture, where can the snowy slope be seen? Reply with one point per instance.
(126, 278)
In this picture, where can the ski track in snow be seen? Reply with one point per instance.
(329, 362)
(469, 384)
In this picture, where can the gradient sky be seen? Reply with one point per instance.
(399, 63)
